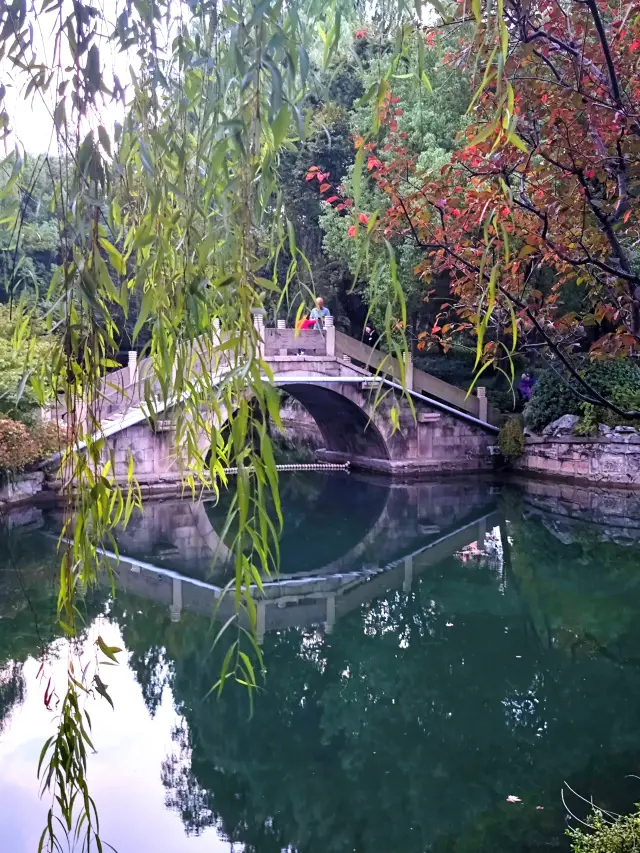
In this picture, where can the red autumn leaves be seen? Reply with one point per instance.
(343, 204)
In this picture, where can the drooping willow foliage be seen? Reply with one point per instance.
(177, 210)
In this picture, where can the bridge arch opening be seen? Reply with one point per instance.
(345, 426)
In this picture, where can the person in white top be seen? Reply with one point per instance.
(319, 313)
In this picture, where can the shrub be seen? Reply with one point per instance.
(588, 423)
(504, 399)
(617, 380)
(511, 439)
(47, 438)
(608, 835)
(18, 448)
(15, 363)
(21, 447)
(449, 368)
(550, 400)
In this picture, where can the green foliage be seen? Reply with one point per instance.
(550, 400)
(617, 380)
(588, 423)
(511, 439)
(454, 368)
(432, 118)
(22, 361)
(29, 247)
(503, 399)
(609, 834)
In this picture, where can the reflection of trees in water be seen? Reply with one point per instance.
(408, 726)
(399, 732)
(12, 691)
(29, 574)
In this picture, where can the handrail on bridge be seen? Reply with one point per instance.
(126, 384)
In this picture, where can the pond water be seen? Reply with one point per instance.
(431, 649)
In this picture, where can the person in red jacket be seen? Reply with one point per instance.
(301, 325)
(306, 324)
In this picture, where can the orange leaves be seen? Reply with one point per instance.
(352, 230)
(324, 187)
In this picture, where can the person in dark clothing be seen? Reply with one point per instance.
(370, 337)
(525, 386)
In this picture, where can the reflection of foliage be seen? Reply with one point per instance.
(581, 594)
(371, 739)
(27, 596)
(11, 690)
(28, 599)
(183, 791)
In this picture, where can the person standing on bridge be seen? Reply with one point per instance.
(319, 313)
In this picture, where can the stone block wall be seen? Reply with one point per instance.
(614, 459)
(437, 442)
(21, 489)
(443, 438)
(154, 454)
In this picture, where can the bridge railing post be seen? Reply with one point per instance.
(408, 370)
(330, 336)
(282, 324)
(483, 404)
(258, 322)
(133, 366)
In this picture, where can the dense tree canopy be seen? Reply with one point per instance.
(534, 220)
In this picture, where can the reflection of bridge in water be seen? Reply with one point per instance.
(330, 563)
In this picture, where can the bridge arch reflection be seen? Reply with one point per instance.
(331, 561)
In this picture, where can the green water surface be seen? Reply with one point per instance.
(430, 650)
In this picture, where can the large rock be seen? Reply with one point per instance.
(565, 425)
(23, 487)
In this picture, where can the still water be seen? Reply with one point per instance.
(431, 650)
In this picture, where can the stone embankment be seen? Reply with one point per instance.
(611, 457)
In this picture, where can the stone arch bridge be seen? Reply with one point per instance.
(335, 378)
